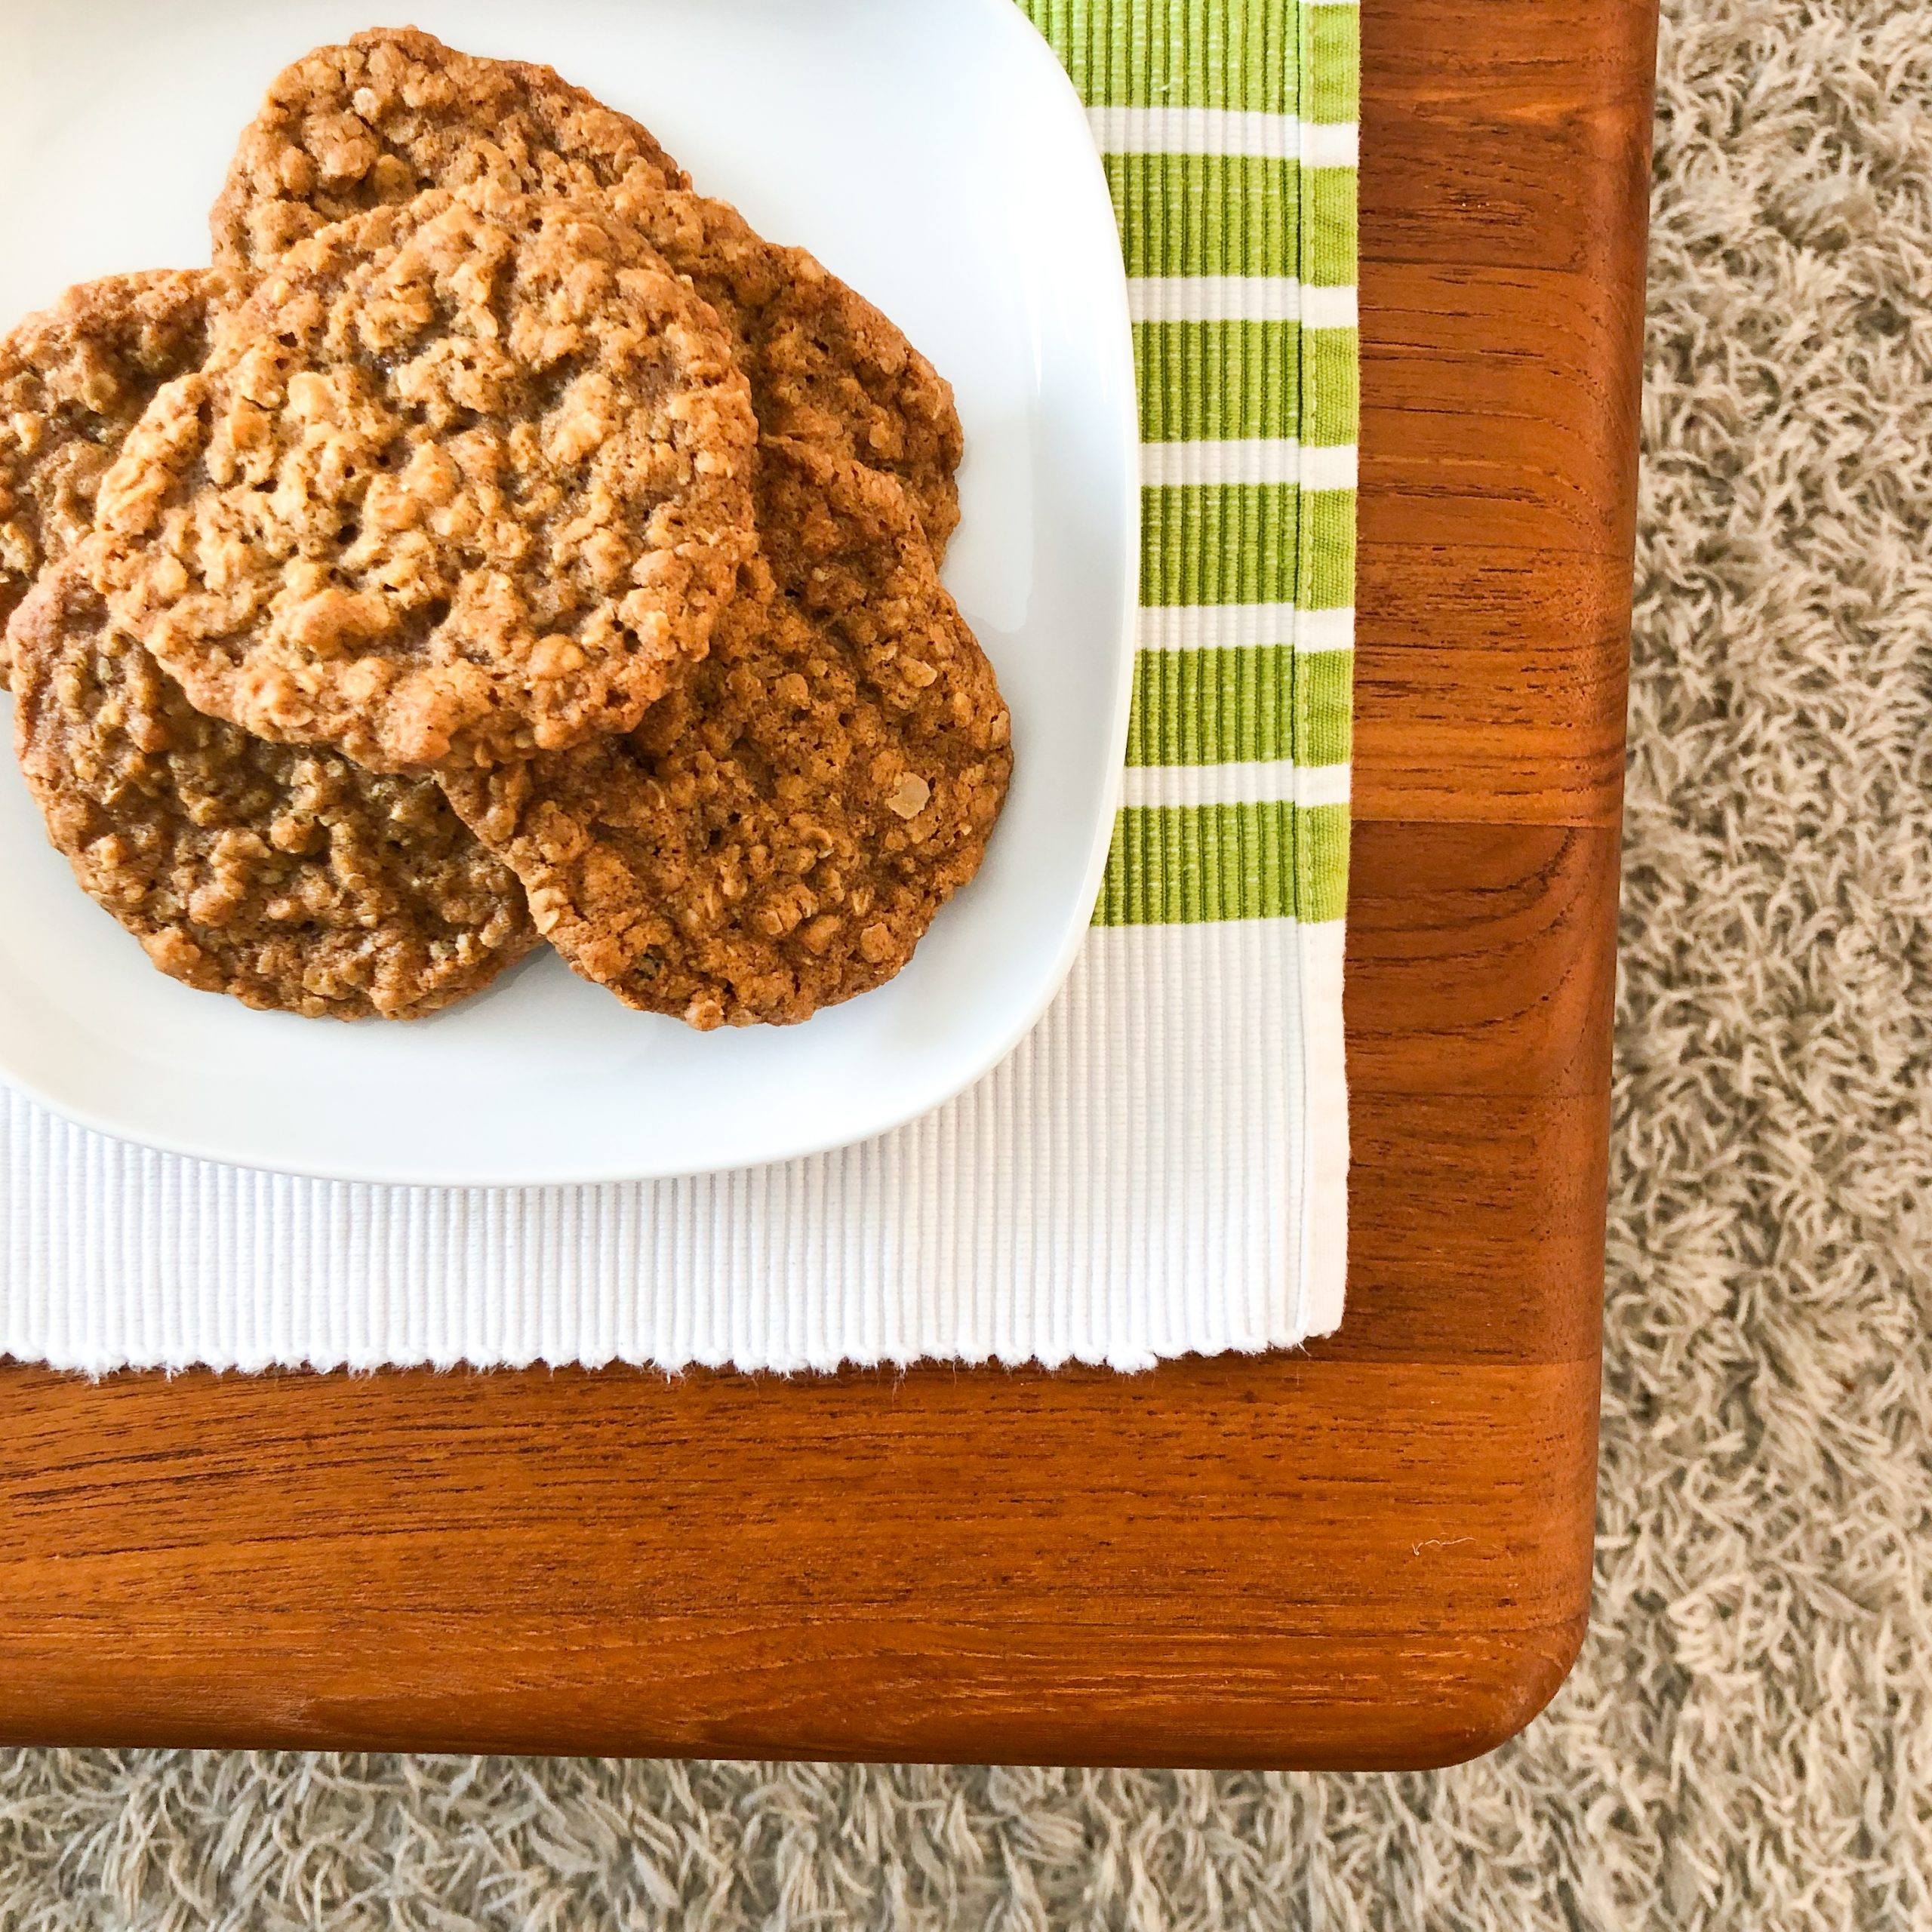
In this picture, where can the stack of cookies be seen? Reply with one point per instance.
(502, 539)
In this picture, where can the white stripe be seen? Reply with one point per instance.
(1328, 307)
(1214, 298)
(1320, 785)
(1273, 781)
(1330, 144)
(1230, 627)
(1236, 459)
(1324, 630)
(1327, 467)
(1223, 131)
(1239, 298)
(1192, 130)
(1248, 459)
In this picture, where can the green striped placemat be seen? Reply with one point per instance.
(1227, 129)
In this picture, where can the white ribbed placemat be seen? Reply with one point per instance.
(1161, 1168)
(1127, 1187)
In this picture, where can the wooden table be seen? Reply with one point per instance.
(1377, 1553)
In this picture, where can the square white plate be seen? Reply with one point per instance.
(933, 153)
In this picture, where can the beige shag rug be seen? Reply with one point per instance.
(1747, 1742)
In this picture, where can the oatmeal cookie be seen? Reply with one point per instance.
(394, 113)
(286, 876)
(779, 831)
(74, 379)
(463, 479)
(827, 368)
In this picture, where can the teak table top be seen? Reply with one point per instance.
(1377, 1553)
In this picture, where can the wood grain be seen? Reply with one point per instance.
(1374, 1552)
(1488, 685)
(876, 1566)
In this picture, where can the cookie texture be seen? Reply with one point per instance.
(394, 113)
(74, 379)
(464, 478)
(826, 367)
(286, 876)
(779, 832)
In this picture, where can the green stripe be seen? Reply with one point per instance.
(1324, 706)
(1327, 579)
(1238, 54)
(1203, 381)
(1330, 404)
(1239, 543)
(1333, 58)
(1207, 380)
(1328, 227)
(1183, 864)
(1207, 214)
(1250, 702)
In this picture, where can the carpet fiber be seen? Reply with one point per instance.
(1747, 1741)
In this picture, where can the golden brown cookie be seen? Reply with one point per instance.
(463, 479)
(779, 832)
(286, 876)
(827, 368)
(74, 379)
(395, 112)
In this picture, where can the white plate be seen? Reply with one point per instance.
(933, 153)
